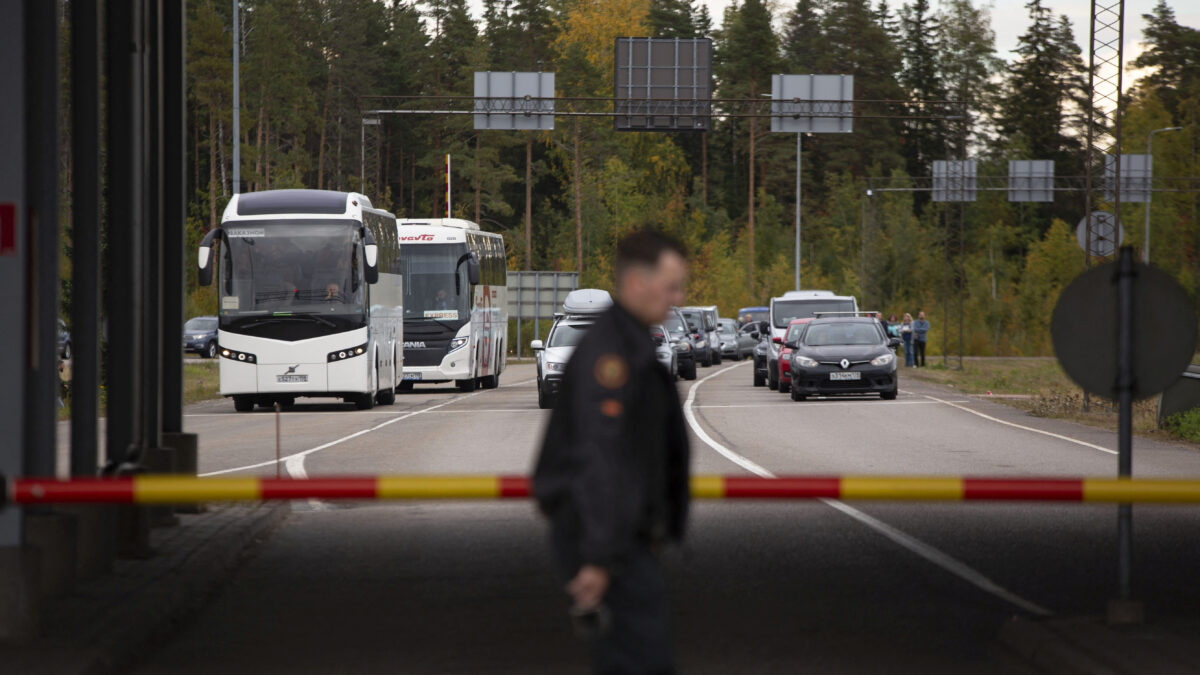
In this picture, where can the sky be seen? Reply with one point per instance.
(1009, 18)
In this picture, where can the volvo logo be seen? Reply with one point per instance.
(845, 363)
(415, 344)
(292, 369)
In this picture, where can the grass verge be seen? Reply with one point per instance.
(201, 382)
(1041, 388)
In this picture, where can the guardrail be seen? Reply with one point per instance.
(171, 489)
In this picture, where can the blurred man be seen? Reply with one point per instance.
(612, 476)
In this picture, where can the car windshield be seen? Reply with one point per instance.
(200, 324)
(728, 327)
(754, 315)
(291, 267)
(694, 318)
(794, 332)
(826, 334)
(567, 334)
(674, 324)
(787, 310)
(430, 291)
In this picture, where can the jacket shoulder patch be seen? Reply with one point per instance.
(611, 371)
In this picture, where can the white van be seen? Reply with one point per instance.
(799, 305)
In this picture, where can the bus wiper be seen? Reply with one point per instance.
(279, 318)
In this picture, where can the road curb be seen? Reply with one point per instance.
(112, 623)
(1088, 646)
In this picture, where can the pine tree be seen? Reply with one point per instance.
(967, 61)
(924, 139)
(802, 38)
(672, 19)
(1173, 55)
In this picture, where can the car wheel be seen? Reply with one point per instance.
(243, 403)
(543, 400)
(888, 395)
(797, 396)
(717, 358)
(689, 373)
(784, 387)
(772, 378)
(759, 379)
(210, 352)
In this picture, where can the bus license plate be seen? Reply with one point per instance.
(412, 377)
(845, 376)
(291, 378)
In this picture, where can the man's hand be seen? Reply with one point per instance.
(588, 586)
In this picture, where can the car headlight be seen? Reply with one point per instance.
(882, 360)
(685, 346)
(457, 343)
(555, 366)
(805, 362)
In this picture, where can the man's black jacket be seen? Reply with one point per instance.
(613, 469)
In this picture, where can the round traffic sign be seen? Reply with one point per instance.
(1084, 330)
(1107, 234)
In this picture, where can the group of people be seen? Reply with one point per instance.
(914, 333)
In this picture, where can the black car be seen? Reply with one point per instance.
(681, 341)
(761, 330)
(844, 355)
(200, 336)
(707, 350)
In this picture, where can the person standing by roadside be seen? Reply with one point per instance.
(920, 329)
(906, 334)
(612, 476)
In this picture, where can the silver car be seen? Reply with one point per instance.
(736, 344)
(664, 350)
(580, 310)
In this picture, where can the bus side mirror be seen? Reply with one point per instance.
(371, 254)
(204, 258)
(473, 270)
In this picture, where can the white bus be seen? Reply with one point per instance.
(455, 303)
(310, 302)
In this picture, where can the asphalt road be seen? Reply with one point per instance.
(761, 587)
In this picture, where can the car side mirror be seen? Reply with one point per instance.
(536, 345)
(777, 340)
(894, 342)
(790, 345)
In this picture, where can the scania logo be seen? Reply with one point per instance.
(416, 344)
(845, 363)
(417, 237)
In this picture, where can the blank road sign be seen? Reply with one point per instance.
(514, 101)
(818, 104)
(1135, 177)
(1031, 180)
(663, 84)
(954, 180)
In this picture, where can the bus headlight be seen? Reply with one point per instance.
(457, 343)
(343, 354)
(234, 355)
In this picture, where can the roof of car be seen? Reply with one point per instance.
(797, 322)
(845, 319)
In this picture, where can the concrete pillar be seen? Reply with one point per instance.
(185, 446)
(53, 536)
(19, 604)
(95, 538)
(160, 461)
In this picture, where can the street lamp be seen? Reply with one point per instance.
(1150, 190)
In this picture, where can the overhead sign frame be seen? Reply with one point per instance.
(812, 104)
(955, 180)
(512, 101)
(1030, 180)
(662, 84)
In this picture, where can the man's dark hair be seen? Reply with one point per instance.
(644, 248)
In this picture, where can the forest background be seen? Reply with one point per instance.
(307, 64)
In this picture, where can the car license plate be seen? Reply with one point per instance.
(845, 376)
(412, 377)
(291, 378)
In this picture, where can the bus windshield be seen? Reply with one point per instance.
(430, 291)
(786, 310)
(297, 267)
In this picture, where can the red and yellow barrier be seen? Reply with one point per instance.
(156, 489)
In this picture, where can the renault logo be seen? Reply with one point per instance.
(845, 363)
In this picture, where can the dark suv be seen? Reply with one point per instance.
(200, 336)
(843, 355)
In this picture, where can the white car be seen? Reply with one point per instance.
(579, 313)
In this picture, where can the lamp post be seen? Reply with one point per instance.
(1150, 190)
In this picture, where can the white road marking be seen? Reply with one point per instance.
(811, 405)
(1043, 432)
(295, 461)
(907, 541)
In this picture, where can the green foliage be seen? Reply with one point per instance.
(306, 66)
(1185, 425)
